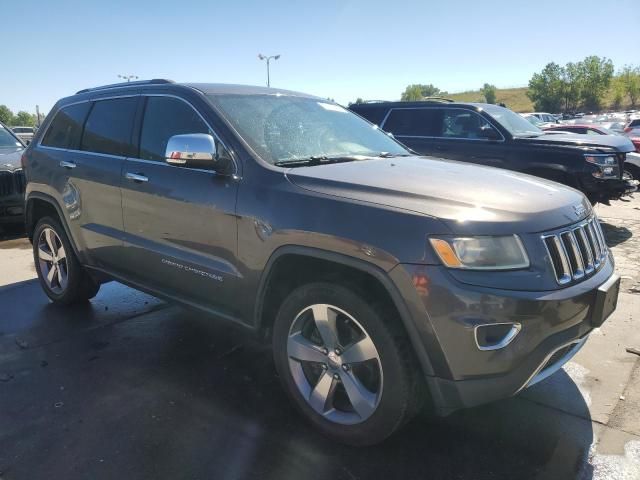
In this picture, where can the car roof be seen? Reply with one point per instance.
(205, 88)
(419, 103)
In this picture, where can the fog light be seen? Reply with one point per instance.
(494, 336)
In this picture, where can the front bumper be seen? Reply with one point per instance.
(12, 209)
(554, 325)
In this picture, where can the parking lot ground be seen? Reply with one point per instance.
(131, 387)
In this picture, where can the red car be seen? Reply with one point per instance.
(588, 129)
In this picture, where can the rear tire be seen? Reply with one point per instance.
(61, 276)
(343, 364)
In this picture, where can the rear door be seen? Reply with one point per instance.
(416, 127)
(92, 169)
(181, 232)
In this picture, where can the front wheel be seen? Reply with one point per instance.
(343, 364)
(61, 276)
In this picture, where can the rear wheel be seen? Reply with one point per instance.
(61, 276)
(342, 364)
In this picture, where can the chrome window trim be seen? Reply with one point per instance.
(433, 107)
(215, 135)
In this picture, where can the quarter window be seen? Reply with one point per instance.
(108, 128)
(66, 127)
(415, 122)
(163, 118)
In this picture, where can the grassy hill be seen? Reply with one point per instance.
(514, 98)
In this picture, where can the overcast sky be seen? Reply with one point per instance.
(331, 48)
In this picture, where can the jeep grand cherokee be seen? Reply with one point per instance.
(382, 279)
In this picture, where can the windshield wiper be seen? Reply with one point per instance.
(319, 160)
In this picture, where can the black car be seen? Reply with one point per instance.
(11, 177)
(382, 280)
(496, 136)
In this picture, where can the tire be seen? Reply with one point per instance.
(633, 171)
(61, 276)
(389, 398)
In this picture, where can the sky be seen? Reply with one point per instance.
(342, 49)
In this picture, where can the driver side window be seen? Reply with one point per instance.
(165, 117)
(460, 123)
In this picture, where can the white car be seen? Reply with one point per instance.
(24, 133)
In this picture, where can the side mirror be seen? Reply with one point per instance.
(196, 150)
(489, 133)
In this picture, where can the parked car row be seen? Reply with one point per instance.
(383, 279)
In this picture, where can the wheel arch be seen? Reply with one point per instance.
(40, 204)
(342, 262)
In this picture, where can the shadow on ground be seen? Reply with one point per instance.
(174, 394)
(615, 235)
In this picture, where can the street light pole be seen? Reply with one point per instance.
(128, 78)
(268, 59)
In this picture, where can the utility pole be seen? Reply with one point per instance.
(38, 116)
(128, 78)
(268, 59)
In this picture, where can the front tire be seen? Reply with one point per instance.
(61, 276)
(343, 364)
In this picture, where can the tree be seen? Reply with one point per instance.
(489, 92)
(359, 100)
(6, 115)
(411, 93)
(597, 74)
(572, 79)
(617, 87)
(630, 81)
(25, 119)
(418, 91)
(546, 88)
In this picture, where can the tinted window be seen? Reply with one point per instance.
(426, 122)
(108, 128)
(163, 118)
(373, 114)
(66, 127)
(459, 123)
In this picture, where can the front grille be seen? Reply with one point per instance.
(19, 181)
(6, 183)
(577, 252)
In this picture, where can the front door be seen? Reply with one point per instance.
(180, 224)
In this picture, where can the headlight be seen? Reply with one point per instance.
(481, 253)
(607, 165)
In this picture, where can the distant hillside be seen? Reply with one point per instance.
(514, 98)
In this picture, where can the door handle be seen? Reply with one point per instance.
(136, 177)
(64, 164)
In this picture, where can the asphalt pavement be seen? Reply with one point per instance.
(129, 386)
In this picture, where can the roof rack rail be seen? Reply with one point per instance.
(154, 81)
(437, 99)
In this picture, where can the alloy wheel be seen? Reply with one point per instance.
(52, 259)
(335, 364)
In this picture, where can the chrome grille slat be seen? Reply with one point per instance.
(576, 252)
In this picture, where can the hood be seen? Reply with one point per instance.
(10, 158)
(470, 199)
(618, 143)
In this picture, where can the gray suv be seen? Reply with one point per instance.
(384, 281)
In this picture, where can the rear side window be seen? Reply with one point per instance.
(66, 127)
(163, 118)
(108, 128)
(415, 122)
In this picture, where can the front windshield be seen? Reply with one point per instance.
(514, 123)
(283, 128)
(8, 140)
